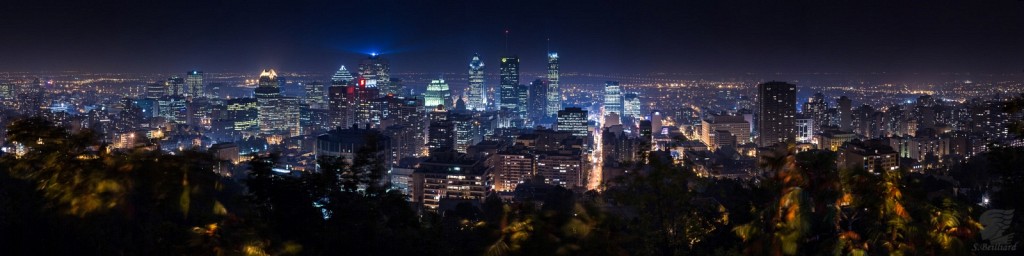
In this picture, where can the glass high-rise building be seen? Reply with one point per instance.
(155, 90)
(175, 86)
(194, 86)
(612, 98)
(509, 74)
(538, 101)
(316, 96)
(477, 91)
(631, 106)
(342, 77)
(572, 120)
(776, 115)
(437, 93)
(377, 73)
(268, 86)
(554, 94)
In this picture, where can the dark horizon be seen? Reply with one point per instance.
(617, 37)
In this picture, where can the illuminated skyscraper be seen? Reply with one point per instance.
(815, 108)
(175, 86)
(315, 95)
(631, 106)
(441, 134)
(509, 83)
(612, 98)
(277, 114)
(268, 86)
(156, 90)
(573, 120)
(538, 101)
(341, 106)
(554, 94)
(437, 93)
(194, 86)
(845, 114)
(466, 132)
(776, 115)
(477, 92)
(342, 77)
(377, 73)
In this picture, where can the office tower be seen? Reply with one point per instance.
(267, 91)
(612, 98)
(441, 131)
(477, 91)
(173, 109)
(364, 95)
(815, 109)
(315, 95)
(523, 97)
(537, 100)
(175, 86)
(736, 127)
(268, 85)
(656, 122)
(631, 106)
(573, 120)
(342, 77)
(277, 114)
(243, 113)
(377, 73)
(554, 93)
(776, 113)
(341, 104)
(845, 113)
(280, 115)
(805, 127)
(437, 93)
(194, 86)
(404, 124)
(155, 90)
(466, 131)
(199, 111)
(509, 83)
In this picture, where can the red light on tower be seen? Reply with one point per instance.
(362, 83)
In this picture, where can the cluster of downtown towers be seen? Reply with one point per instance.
(442, 133)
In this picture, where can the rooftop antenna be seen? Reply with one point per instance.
(549, 45)
(506, 40)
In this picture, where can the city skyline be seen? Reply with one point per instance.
(511, 128)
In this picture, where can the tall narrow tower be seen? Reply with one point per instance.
(477, 92)
(554, 97)
(509, 83)
(776, 115)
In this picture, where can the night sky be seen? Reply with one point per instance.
(704, 36)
